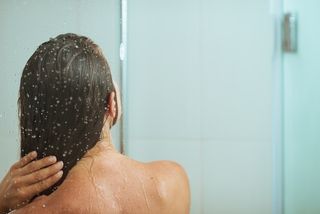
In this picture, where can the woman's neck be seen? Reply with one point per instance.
(104, 145)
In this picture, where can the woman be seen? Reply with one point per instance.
(68, 103)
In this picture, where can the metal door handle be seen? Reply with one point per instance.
(290, 33)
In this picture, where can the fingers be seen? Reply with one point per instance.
(44, 184)
(25, 160)
(29, 177)
(41, 174)
(39, 164)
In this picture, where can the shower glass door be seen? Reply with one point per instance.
(302, 112)
(26, 24)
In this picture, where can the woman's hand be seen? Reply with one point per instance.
(27, 178)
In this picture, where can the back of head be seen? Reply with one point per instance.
(63, 97)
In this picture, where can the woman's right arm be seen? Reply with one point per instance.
(27, 178)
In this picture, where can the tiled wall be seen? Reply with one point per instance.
(200, 93)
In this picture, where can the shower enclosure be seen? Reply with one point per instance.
(205, 83)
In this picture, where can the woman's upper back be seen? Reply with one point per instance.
(113, 183)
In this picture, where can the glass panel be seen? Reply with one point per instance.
(302, 112)
(25, 25)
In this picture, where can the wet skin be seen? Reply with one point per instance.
(104, 181)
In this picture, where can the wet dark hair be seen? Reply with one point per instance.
(64, 90)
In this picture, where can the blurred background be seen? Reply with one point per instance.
(206, 83)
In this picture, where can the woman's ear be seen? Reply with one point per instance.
(112, 107)
(118, 102)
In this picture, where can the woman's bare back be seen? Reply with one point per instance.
(112, 183)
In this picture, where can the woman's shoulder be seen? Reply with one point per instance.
(166, 181)
(173, 184)
(168, 168)
(167, 171)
